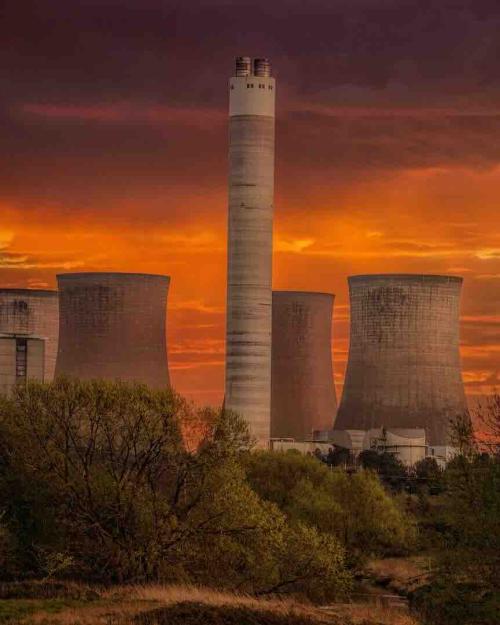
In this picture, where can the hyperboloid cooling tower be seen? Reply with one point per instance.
(404, 365)
(302, 388)
(250, 234)
(113, 326)
(32, 313)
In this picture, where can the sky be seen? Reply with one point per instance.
(113, 154)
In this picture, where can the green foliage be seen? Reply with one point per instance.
(387, 465)
(429, 476)
(464, 586)
(97, 485)
(355, 509)
(449, 602)
(92, 456)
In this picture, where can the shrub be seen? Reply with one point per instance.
(98, 485)
(353, 508)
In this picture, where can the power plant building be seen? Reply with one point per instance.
(250, 232)
(29, 330)
(113, 326)
(303, 397)
(404, 367)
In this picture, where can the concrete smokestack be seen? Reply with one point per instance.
(303, 392)
(112, 326)
(250, 232)
(404, 365)
(32, 313)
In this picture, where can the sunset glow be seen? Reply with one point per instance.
(114, 170)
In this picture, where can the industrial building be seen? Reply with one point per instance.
(29, 329)
(21, 359)
(407, 445)
(404, 366)
(303, 395)
(113, 326)
(250, 234)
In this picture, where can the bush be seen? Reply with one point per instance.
(97, 485)
(448, 602)
(464, 585)
(354, 509)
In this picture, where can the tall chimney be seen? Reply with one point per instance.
(250, 235)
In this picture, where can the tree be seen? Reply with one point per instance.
(487, 418)
(429, 474)
(464, 585)
(355, 509)
(96, 484)
(338, 456)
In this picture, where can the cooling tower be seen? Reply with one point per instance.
(404, 364)
(113, 326)
(302, 388)
(32, 313)
(250, 233)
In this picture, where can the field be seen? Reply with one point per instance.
(47, 604)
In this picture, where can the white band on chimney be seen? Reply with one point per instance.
(251, 95)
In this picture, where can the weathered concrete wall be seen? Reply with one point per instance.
(34, 361)
(32, 312)
(404, 365)
(303, 395)
(7, 364)
(250, 231)
(113, 326)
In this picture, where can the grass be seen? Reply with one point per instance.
(401, 575)
(19, 610)
(188, 605)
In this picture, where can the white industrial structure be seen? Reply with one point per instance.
(409, 445)
(250, 234)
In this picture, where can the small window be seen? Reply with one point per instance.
(271, 87)
(232, 86)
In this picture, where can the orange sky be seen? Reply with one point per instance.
(113, 154)
(435, 221)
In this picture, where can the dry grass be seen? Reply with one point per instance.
(403, 569)
(122, 603)
(399, 575)
(119, 605)
(364, 614)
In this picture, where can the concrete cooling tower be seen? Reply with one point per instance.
(113, 326)
(404, 365)
(32, 313)
(302, 389)
(250, 239)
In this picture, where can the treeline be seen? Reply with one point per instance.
(458, 514)
(96, 484)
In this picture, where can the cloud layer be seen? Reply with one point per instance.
(113, 153)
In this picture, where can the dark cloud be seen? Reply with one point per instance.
(177, 55)
(181, 51)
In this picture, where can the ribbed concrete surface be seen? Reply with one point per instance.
(250, 224)
(113, 326)
(32, 312)
(404, 366)
(302, 389)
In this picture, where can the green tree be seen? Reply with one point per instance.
(429, 475)
(387, 465)
(355, 509)
(464, 586)
(96, 483)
